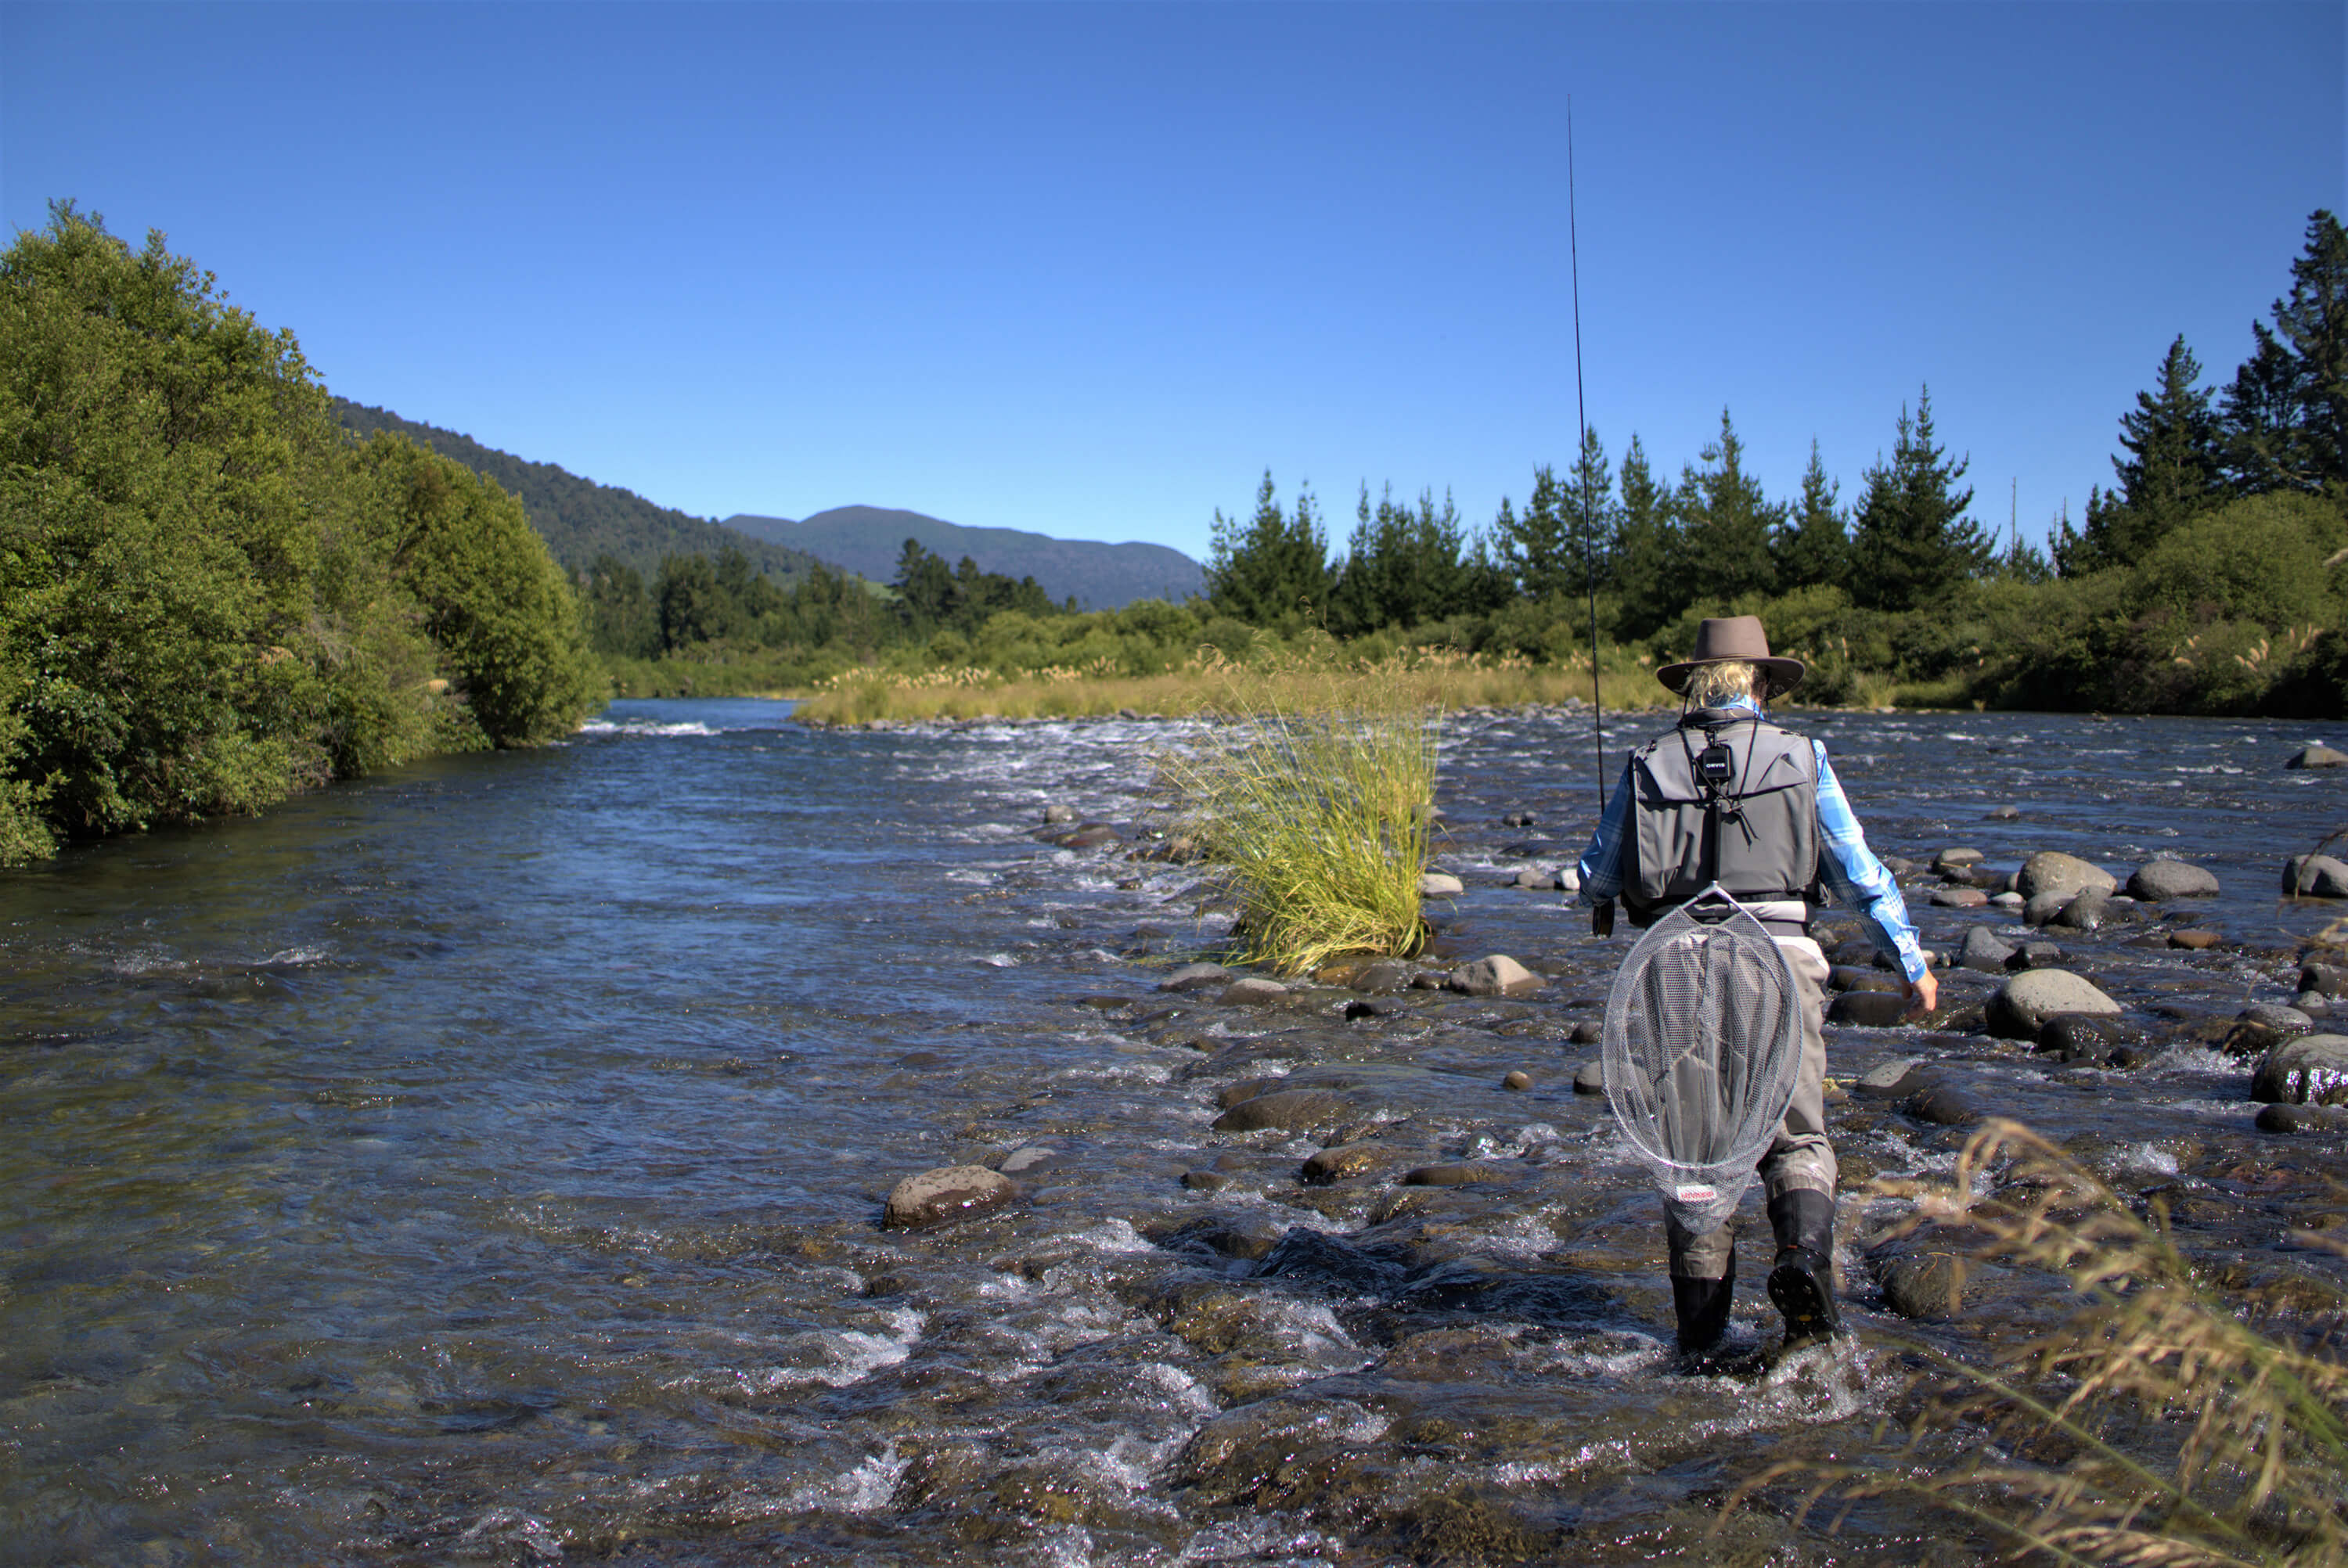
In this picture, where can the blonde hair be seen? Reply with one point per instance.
(1710, 685)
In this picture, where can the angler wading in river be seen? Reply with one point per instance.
(1728, 798)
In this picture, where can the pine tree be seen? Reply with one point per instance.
(1271, 566)
(2170, 471)
(1403, 566)
(2284, 426)
(1814, 546)
(1534, 547)
(1646, 549)
(1911, 537)
(1726, 522)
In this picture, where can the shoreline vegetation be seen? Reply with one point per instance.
(213, 596)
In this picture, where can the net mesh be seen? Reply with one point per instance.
(1703, 1042)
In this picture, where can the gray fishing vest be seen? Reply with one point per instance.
(1756, 835)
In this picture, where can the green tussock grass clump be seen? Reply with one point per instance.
(1311, 800)
(2163, 1422)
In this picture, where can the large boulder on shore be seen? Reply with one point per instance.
(2162, 879)
(2052, 871)
(2314, 876)
(2026, 1001)
(947, 1192)
(2311, 1069)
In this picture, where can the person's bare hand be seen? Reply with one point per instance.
(1923, 995)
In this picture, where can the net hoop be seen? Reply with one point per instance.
(1702, 1046)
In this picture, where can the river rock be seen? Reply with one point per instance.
(1286, 1111)
(1943, 1103)
(1460, 1174)
(1206, 1181)
(1057, 813)
(1252, 991)
(1956, 860)
(947, 1192)
(1345, 1160)
(1030, 1157)
(1383, 977)
(1534, 877)
(2162, 879)
(1588, 1032)
(2024, 1002)
(2329, 979)
(2008, 900)
(2034, 955)
(1518, 819)
(1589, 1078)
(1092, 836)
(2277, 1018)
(1869, 1010)
(1958, 898)
(2317, 757)
(2311, 1070)
(2196, 941)
(2003, 813)
(1440, 885)
(2314, 1004)
(1923, 1284)
(2093, 1039)
(2085, 912)
(1518, 1079)
(2041, 907)
(1495, 975)
(1983, 950)
(2052, 871)
(2301, 1119)
(1893, 1079)
(2314, 876)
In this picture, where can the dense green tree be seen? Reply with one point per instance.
(1535, 547)
(494, 603)
(210, 597)
(1912, 538)
(2284, 424)
(1812, 545)
(619, 613)
(2169, 471)
(1272, 567)
(1726, 523)
(1648, 575)
(1407, 565)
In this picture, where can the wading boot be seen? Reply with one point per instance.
(1702, 1307)
(1802, 1283)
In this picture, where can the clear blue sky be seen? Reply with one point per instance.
(1090, 268)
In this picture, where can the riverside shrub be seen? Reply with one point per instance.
(210, 597)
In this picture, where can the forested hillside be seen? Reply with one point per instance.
(580, 520)
(212, 596)
(868, 540)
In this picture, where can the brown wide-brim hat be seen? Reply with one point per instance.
(1735, 637)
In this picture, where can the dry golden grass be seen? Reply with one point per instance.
(2158, 1424)
(1435, 677)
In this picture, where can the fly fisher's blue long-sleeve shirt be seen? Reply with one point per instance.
(1857, 878)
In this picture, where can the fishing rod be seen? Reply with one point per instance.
(1602, 917)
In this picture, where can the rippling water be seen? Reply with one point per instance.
(484, 1161)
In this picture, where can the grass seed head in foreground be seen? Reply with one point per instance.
(2161, 1422)
(1310, 796)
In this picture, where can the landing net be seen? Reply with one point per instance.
(1703, 1042)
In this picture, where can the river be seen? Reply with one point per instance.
(484, 1161)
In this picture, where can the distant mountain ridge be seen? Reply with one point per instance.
(868, 540)
(579, 518)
